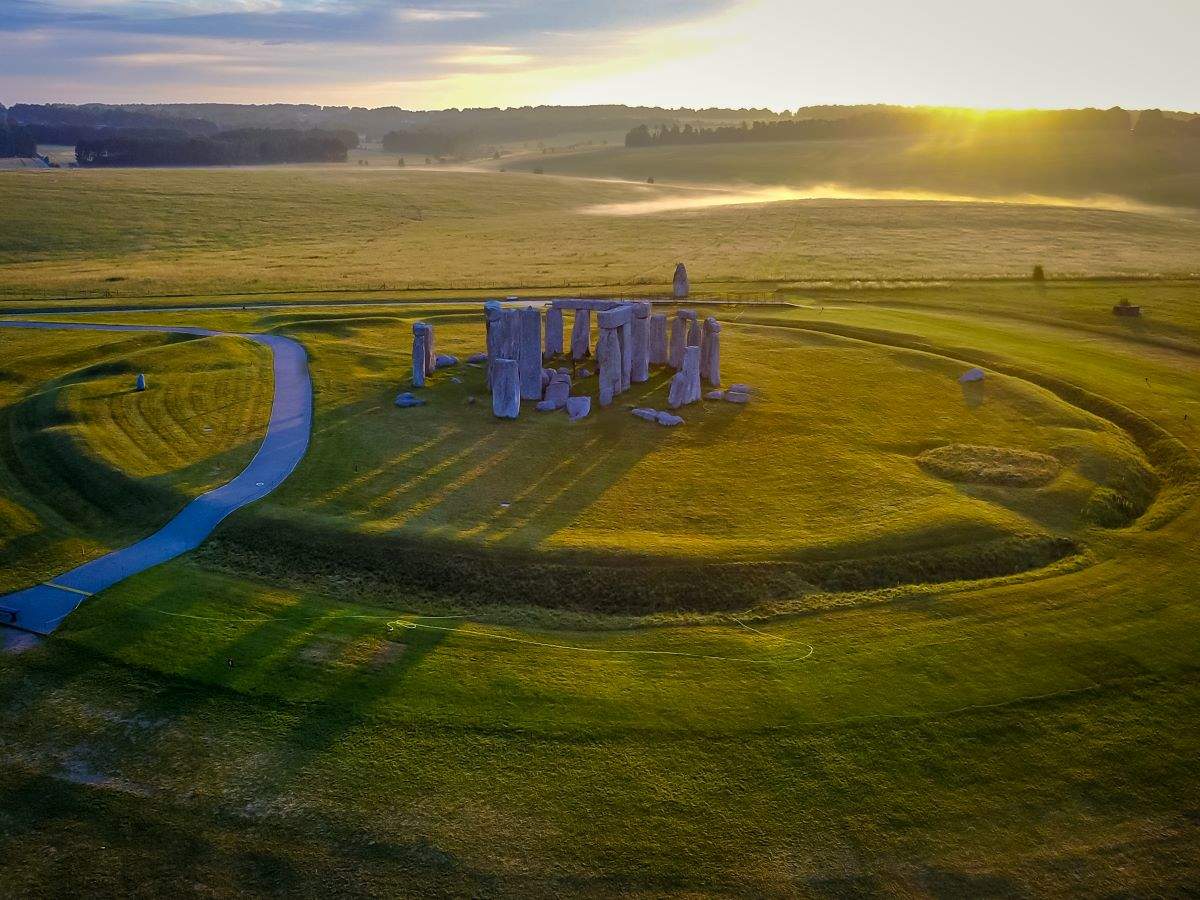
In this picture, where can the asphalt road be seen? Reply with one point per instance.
(43, 607)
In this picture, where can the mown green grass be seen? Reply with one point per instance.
(191, 232)
(87, 463)
(208, 730)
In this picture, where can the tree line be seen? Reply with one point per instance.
(916, 122)
(16, 140)
(245, 146)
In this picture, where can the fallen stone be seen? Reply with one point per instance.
(666, 418)
(558, 392)
(578, 407)
(545, 406)
(970, 375)
(477, 358)
(649, 415)
(715, 395)
(408, 399)
(585, 373)
(739, 388)
(547, 374)
(563, 370)
(455, 380)
(444, 361)
(735, 397)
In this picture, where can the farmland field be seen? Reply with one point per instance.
(874, 631)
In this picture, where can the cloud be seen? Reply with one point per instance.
(439, 15)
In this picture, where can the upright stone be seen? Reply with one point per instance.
(420, 354)
(695, 336)
(641, 342)
(581, 334)
(679, 285)
(685, 385)
(625, 335)
(678, 342)
(710, 352)
(529, 352)
(554, 331)
(608, 354)
(430, 355)
(139, 383)
(506, 389)
(658, 340)
(493, 317)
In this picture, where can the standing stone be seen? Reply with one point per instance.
(710, 352)
(493, 317)
(625, 335)
(139, 383)
(679, 285)
(420, 354)
(685, 386)
(581, 334)
(641, 342)
(506, 389)
(430, 356)
(529, 352)
(658, 340)
(608, 354)
(554, 331)
(678, 342)
(695, 335)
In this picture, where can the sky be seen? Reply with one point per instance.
(433, 54)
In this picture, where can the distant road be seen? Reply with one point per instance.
(42, 608)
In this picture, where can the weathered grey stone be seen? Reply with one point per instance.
(608, 355)
(496, 327)
(139, 383)
(710, 352)
(576, 303)
(646, 413)
(615, 317)
(971, 375)
(554, 331)
(563, 370)
(715, 395)
(658, 340)
(736, 397)
(557, 392)
(529, 352)
(666, 418)
(408, 399)
(685, 386)
(547, 374)
(430, 355)
(625, 336)
(477, 358)
(545, 406)
(738, 388)
(640, 371)
(689, 314)
(678, 342)
(444, 361)
(679, 284)
(581, 334)
(506, 388)
(585, 373)
(422, 335)
(578, 407)
(695, 336)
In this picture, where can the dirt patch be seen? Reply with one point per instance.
(14, 643)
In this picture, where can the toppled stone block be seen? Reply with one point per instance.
(666, 418)
(444, 360)
(971, 375)
(715, 395)
(578, 407)
(736, 397)
(738, 388)
(408, 399)
(649, 415)
(477, 358)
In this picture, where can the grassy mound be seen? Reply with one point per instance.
(990, 465)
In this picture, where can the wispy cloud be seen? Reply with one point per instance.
(439, 15)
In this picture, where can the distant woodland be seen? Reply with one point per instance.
(884, 123)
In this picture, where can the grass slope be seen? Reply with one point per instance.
(87, 464)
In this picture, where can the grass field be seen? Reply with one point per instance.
(355, 229)
(852, 673)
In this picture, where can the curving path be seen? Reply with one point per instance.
(42, 608)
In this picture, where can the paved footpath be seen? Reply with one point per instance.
(42, 608)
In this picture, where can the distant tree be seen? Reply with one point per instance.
(650, 180)
(1039, 273)
(401, 162)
